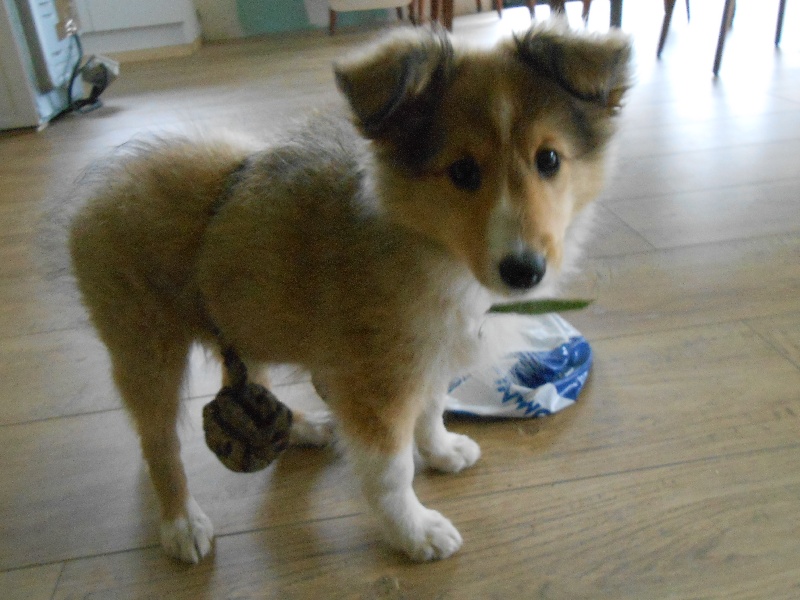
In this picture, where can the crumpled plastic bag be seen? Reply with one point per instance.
(542, 368)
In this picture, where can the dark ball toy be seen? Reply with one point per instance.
(245, 425)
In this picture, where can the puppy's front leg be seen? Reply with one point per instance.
(376, 413)
(386, 479)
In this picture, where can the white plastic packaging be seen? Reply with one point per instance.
(542, 368)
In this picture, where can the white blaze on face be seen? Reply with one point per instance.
(504, 115)
(504, 234)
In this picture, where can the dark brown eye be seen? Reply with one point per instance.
(465, 174)
(547, 162)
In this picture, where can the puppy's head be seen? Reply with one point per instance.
(489, 153)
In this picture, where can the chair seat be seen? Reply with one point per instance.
(337, 6)
(352, 5)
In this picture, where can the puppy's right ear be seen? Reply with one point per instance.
(396, 83)
(591, 67)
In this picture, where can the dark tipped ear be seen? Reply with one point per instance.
(397, 79)
(592, 67)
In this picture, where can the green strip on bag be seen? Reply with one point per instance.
(538, 307)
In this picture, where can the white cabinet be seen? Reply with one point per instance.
(138, 29)
(35, 63)
(106, 15)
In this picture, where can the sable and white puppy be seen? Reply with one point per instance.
(364, 249)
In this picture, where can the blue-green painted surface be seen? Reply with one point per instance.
(273, 16)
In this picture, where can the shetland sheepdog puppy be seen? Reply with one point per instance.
(365, 247)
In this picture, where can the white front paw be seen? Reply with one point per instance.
(188, 538)
(452, 453)
(428, 536)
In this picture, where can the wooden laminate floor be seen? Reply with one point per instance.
(677, 475)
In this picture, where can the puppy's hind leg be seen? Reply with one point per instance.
(440, 449)
(149, 380)
(314, 429)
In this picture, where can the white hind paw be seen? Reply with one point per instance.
(188, 538)
(451, 453)
(313, 429)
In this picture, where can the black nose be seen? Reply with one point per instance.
(524, 270)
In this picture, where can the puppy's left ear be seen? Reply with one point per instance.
(592, 67)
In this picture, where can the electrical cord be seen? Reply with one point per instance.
(90, 102)
(75, 70)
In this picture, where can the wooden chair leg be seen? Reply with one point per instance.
(669, 6)
(498, 6)
(331, 21)
(729, 20)
(615, 19)
(727, 17)
(531, 4)
(478, 6)
(447, 14)
(779, 27)
(587, 5)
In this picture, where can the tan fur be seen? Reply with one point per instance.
(355, 256)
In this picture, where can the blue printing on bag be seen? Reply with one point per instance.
(566, 367)
(543, 374)
(457, 382)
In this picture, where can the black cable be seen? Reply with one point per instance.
(91, 101)
(75, 70)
